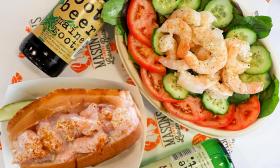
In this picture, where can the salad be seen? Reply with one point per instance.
(202, 59)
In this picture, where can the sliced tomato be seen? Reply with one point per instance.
(144, 56)
(189, 109)
(153, 83)
(246, 114)
(141, 20)
(217, 121)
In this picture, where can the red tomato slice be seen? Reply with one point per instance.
(189, 109)
(144, 56)
(217, 121)
(246, 114)
(153, 83)
(141, 20)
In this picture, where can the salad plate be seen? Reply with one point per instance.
(245, 110)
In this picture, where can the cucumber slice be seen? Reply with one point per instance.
(261, 61)
(194, 4)
(238, 98)
(217, 106)
(7, 112)
(171, 86)
(155, 41)
(222, 10)
(165, 7)
(264, 78)
(244, 34)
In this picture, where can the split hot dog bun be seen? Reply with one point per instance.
(74, 128)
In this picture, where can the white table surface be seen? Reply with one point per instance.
(259, 149)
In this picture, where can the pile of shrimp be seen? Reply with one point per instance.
(191, 42)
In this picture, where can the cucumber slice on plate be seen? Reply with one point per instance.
(264, 78)
(244, 34)
(155, 41)
(261, 60)
(194, 4)
(8, 111)
(165, 7)
(217, 106)
(171, 86)
(222, 10)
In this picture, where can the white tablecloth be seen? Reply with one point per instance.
(258, 149)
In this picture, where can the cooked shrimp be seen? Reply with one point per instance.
(207, 19)
(213, 41)
(188, 15)
(196, 84)
(27, 147)
(174, 64)
(200, 52)
(219, 91)
(232, 80)
(168, 45)
(50, 139)
(239, 57)
(90, 144)
(182, 31)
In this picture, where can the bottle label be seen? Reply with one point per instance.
(69, 26)
(195, 157)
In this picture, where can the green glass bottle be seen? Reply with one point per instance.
(208, 154)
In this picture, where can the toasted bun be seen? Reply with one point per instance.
(72, 99)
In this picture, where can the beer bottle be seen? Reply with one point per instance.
(208, 154)
(67, 28)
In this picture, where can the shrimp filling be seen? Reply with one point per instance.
(60, 137)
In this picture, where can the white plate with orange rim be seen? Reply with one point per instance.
(33, 89)
(248, 8)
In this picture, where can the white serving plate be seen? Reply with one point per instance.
(30, 90)
(248, 9)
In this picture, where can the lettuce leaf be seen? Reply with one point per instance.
(260, 24)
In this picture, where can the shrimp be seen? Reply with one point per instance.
(213, 41)
(239, 55)
(188, 15)
(200, 52)
(196, 84)
(207, 19)
(182, 31)
(174, 64)
(232, 80)
(168, 44)
(238, 62)
(219, 91)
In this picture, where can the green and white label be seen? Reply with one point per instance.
(195, 157)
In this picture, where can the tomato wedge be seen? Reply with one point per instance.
(141, 20)
(153, 83)
(144, 56)
(217, 121)
(189, 109)
(246, 114)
